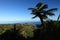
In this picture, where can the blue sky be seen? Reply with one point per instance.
(17, 10)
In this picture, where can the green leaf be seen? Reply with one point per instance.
(52, 10)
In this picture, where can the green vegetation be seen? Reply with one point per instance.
(32, 31)
(26, 30)
(4, 27)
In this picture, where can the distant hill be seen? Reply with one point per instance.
(31, 22)
(35, 22)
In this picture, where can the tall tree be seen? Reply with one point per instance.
(58, 17)
(41, 12)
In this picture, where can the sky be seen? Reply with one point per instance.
(17, 10)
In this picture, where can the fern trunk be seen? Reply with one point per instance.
(42, 23)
